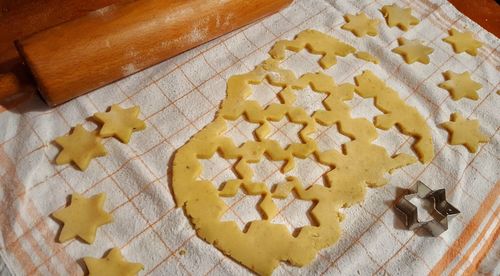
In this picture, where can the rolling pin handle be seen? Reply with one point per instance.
(9, 86)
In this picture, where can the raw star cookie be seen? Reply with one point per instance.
(463, 42)
(263, 243)
(413, 50)
(119, 122)
(464, 132)
(396, 16)
(360, 25)
(113, 264)
(460, 85)
(82, 217)
(79, 147)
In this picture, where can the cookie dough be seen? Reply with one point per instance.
(463, 42)
(119, 122)
(316, 43)
(79, 147)
(82, 217)
(464, 132)
(413, 50)
(261, 245)
(396, 113)
(399, 17)
(367, 57)
(360, 25)
(113, 264)
(460, 85)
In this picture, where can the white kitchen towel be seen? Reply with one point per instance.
(180, 96)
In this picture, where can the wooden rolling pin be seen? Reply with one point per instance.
(89, 52)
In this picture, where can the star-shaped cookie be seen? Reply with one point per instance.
(464, 132)
(113, 264)
(463, 42)
(82, 217)
(460, 85)
(360, 25)
(119, 122)
(413, 50)
(396, 16)
(79, 147)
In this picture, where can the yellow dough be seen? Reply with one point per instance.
(112, 265)
(82, 217)
(261, 245)
(316, 43)
(460, 85)
(464, 132)
(79, 147)
(396, 113)
(119, 122)
(396, 16)
(361, 25)
(463, 42)
(367, 57)
(413, 50)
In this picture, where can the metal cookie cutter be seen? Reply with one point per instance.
(444, 211)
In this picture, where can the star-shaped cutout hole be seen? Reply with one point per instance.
(360, 25)
(399, 17)
(460, 85)
(413, 50)
(286, 133)
(82, 217)
(310, 100)
(264, 93)
(463, 42)
(217, 170)
(113, 264)
(119, 122)
(464, 132)
(79, 147)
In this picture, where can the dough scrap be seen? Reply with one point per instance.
(113, 264)
(413, 50)
(316, 43)
(464, 132)
(119, 122)
(463, 42)
(79, 147)
(396, 113)
(367, 57)
(460, 85)
(360, 25)
(400, 17)
(261, 245)
(82, 217)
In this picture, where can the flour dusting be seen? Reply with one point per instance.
(128, 69)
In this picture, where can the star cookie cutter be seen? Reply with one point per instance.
(444, 211)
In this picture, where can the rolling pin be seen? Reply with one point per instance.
(81, 55)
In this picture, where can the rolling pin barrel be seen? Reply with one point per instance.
(84, 54)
